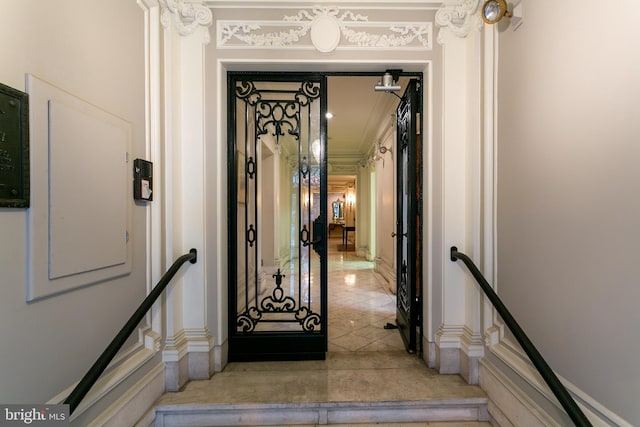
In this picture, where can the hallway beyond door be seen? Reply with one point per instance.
(360, 305)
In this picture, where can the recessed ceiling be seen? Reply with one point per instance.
(358, 114)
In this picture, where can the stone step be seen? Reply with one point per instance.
(410, 424)
(321, 413)
(346, 388)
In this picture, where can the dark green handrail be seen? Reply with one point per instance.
(92, 375)
(558, 389)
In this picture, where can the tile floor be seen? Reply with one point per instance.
(360, 304)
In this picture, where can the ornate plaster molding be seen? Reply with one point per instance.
(187, 16)
(325, 29)
(459, 18)
(340, 169)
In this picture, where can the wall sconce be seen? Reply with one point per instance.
(494, 10)
(315, 149)
(351, 199)
(382, 149)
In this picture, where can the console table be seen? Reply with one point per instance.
(345, 234)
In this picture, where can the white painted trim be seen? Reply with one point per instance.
(187, 17)
(123, 367)
(39, 282)
(137, 401)
(220, 260)
(175, 347)
(490, 179)
(512, 356)
(428, 280)
(198, 340)
(147, 4)
(351, 34)
(513, 403)
(456, 192)
(187, 341)
(449, 336)
(475, 177)
(471, 343)
(185, 183)
(153, 149)
(458, 18)
(166, 178)
(416, 5)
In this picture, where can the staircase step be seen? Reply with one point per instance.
(347, 388)
(409, 424)
(320, 413)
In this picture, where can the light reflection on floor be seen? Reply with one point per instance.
(359, 305)
(359, 301)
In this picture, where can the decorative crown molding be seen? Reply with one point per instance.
(325, 29)
(186, 15)
(458, 18)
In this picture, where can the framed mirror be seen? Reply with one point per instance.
(338, 211)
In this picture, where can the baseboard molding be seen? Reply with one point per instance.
(188, 355)
(387, 271)
(429, 354)
(220, 356)
(515, 402)
(508, 404)
(364, 252)
(115, 375)
(136, 404)
(458, 350)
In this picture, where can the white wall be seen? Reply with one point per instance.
(385, 258)
(568, 219)
(94, 50)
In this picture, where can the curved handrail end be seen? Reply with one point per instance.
(454, 253)
(194, 251)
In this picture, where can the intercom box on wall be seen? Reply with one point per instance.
(142, 180)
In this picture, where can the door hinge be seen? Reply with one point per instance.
(126, 236)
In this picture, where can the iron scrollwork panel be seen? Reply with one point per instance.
(277, 137)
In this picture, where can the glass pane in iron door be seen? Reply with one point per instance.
(278, 156)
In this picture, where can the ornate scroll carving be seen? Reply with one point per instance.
(458, 18)
(186, 16)
(325, 29)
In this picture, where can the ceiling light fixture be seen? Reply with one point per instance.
(494, 10)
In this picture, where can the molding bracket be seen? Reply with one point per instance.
(458, 17)
(188, 16)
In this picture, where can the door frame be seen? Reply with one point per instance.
(432, 315)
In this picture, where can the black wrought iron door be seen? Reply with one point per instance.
(277, 216)
(408, 231)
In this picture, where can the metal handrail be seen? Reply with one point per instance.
(558, 389)
(92, 375)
